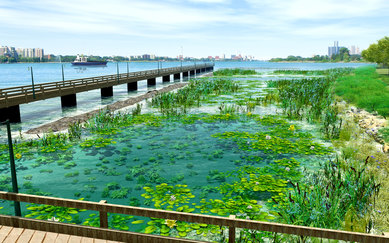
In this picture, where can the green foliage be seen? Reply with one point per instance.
(234, 72)
(169, 197)
(337, 193)
(365, 88)
(378, 53)
(191, 95)
(48, 212)
(97, 143)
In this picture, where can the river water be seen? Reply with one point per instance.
(41, 112)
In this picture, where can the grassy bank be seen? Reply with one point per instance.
(365, 89)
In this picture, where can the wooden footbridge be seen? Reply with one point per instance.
(11, 98)
(13, 227)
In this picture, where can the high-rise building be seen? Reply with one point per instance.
(3, 50)
(333, 50)
(39, 53)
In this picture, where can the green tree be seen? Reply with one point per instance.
(378, 52)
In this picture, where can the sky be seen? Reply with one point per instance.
(196, 28)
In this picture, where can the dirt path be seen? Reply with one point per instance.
(63, 123)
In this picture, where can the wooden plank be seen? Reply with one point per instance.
(89, 240)
(38, 236)
(100, 241)
(50, 237)
(26, 236)
(62, 238)
(13, 235)
(74, 239)
(4, 231)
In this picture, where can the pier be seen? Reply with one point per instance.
(12, 98)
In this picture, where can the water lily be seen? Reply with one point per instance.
(228, 114)
(249, 113)
(171, 223)
(249, 207)
(172, 198)
(292, 128)
(53, 219)
(268, 137)
(287, 169)
(256, 183)
(312, 147)
(18, 156)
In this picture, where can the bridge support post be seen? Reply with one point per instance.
(68, 100)
(166, 78)
(107, 92)
(151, 82)
(11, 113)
(177, 76)
(132, 86)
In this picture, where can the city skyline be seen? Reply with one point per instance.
(196, 28)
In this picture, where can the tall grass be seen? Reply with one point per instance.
(336, 197)
(235, 71)
(192, 95)
(366, 89)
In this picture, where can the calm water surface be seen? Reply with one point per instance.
(40, 112)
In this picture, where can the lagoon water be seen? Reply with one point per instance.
(41, 112)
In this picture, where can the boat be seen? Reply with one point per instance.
(83, 61)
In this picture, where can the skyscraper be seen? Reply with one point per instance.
(333, 50)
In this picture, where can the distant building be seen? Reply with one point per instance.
(152, 56)
(3, 50)
(354, 50)
(39, 53)
(333, 50)
(146, 56)
(210, 57)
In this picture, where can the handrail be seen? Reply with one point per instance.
(27, 93)
(232, 223)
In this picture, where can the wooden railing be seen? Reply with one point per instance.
(24, 94)
(103, 233)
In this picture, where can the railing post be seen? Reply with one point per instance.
(15, 188)
(103, 216)
(231, 232)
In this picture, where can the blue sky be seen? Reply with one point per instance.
(262, 28)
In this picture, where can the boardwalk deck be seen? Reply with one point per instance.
(20, 235)
(14, 96)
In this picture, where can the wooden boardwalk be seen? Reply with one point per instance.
(11, 98)
(24, 94)
(20, 235)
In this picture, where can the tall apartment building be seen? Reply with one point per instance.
(21, 52)
(333, 50)
(39, 53)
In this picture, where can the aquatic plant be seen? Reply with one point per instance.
(191, 95)
(46, 212)
(342, 191)
(234, 72)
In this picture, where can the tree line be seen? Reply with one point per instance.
(343, 56)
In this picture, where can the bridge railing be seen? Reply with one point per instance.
(28, 90)
(103, 208)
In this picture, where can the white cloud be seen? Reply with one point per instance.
(320, 9)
